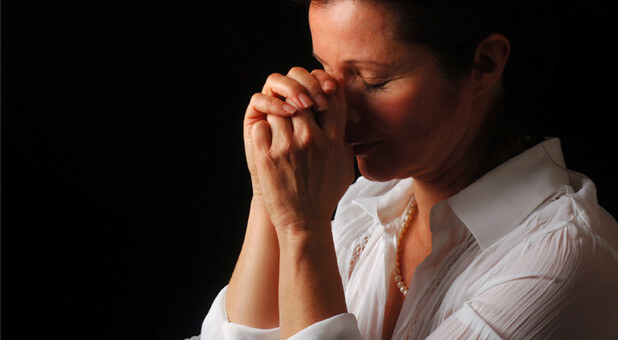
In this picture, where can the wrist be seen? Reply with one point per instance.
(252, 295)
(257, 204)
(310, 287)
(303, 233)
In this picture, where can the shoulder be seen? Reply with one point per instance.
(559, 275)
(571, 237)
(577, 221)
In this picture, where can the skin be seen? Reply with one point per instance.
(379, 99)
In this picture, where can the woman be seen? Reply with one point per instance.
(459, 227)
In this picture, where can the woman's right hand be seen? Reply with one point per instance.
(283, 96)
(253, 290)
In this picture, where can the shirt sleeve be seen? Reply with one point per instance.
(217, 326)
(342, 326)
(563, 286)
(465, 324)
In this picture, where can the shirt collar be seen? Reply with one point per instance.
(493, 205)
(499, 201)
(388, 202)
(393, 204)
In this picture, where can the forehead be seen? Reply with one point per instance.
(349, 29)
(352, 15)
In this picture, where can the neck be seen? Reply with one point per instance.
(460, 167)
(427, 195)
(428, 191)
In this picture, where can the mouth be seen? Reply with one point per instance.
(362, 148)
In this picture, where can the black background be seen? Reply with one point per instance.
(124, 186)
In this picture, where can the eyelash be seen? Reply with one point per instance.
(371, 88)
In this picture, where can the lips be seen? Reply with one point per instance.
(362, 148)
(362, 138)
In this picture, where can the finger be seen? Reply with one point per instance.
(333, 121)
(328, 83)
(261, 136)
(312, 85)
(252, 116)
(286, 87)
(305, 127)
(264, 104)
(281, 131)
(342, 108)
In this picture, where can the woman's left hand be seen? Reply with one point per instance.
(303, 162)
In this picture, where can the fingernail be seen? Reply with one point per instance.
(305, 100)
(288, 108)
(330, 85)
(322, 102)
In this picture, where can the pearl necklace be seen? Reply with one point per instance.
(408, 217)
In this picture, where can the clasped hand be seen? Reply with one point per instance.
(300, 163)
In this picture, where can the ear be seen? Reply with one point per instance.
(488, 63)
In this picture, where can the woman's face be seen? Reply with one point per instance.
(404, 118)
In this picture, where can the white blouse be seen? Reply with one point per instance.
(523, 252)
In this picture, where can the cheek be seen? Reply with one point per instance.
(406, 113)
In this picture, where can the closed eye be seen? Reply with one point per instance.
(371, 88)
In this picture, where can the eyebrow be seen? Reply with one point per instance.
(318, 58)
(352, 61)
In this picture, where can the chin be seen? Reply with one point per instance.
(375, 171)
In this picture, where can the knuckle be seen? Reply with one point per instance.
(272, 104)
(307, 81)
(252, 107)
(263, 103)
(255, 98)
(281, 152)
(315, 88)
(320, 74)
(306, 139)
(296, 88)
(273, 77)
(296, 70)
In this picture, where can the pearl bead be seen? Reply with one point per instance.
(408, 216)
